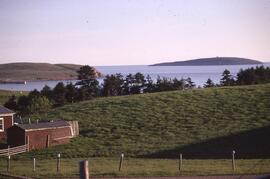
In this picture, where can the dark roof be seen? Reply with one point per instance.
(4, 110)
(44, 125)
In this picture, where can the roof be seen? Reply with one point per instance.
(4, 110)
(44, 125)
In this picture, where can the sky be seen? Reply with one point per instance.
(132, 32)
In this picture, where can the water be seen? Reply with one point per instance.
(198, 74)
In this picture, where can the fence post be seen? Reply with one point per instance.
(8, 150)
(233, 162)
(180, 162)
(121, 161)
(8, 163)
(34, 164)
(58, 162)
(84, 172)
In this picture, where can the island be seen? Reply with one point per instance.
(25, 71)
(211, 61)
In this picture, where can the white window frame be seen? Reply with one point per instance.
(3, 127)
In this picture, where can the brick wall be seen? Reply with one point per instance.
(7, 124)
(39, 139)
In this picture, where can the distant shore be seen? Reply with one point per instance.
(38, 80)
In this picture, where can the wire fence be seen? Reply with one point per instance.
(125, 166)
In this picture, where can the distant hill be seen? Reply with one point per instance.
(19, 72)
(211, 61)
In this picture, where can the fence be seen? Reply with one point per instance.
(13, 151)
(119, 166)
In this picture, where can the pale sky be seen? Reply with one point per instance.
(132, 32)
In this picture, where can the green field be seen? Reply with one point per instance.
(200, 123)
(5, 95)
(108, 167)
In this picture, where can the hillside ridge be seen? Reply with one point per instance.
(28, 71)
(211, 61)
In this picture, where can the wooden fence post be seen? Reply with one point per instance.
(58, 162)
(180, 162)
(121, 161)
(84, 171)
(233, 162)
(8, 150)
(8, 163)
(34, 164)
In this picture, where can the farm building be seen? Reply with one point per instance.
(6, 121)
(40, 135)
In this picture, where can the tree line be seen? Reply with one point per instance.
(249, 76)
(88, 88)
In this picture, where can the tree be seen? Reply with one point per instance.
(209, 83)
(190, 84)
(86, 74)
(139, 83)
(87, 77)
(127, 84)
(150, 87)
(47, 91)
(113, 85)
(71, 93)
(39, 104)
(33, 94)
(59, 94)
(226, 79)
(253, 76)
(178, 84)
(23, 105)
(11, 103)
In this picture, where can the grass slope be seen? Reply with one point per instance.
(145, 125)
(37, 71)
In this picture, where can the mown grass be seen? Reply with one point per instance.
(5, 95)
(148, 124)
(108, 167)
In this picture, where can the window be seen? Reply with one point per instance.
(1, 124)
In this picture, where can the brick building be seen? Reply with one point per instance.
(6, 121)
(40, 135)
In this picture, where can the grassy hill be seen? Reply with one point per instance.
(16, 72)
(212, 61)
(201, 123)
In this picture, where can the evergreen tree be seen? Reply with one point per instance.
(139, 82)
(178, 84)
(209, 83)
(113, 85)
(87, 77)
(11, 103)
(189, 83)
(23, 105)
(34, 93)
(226, 79)
(59, 94)
(47, 91)
(150, 86)
(71, 93)
(128, 82)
